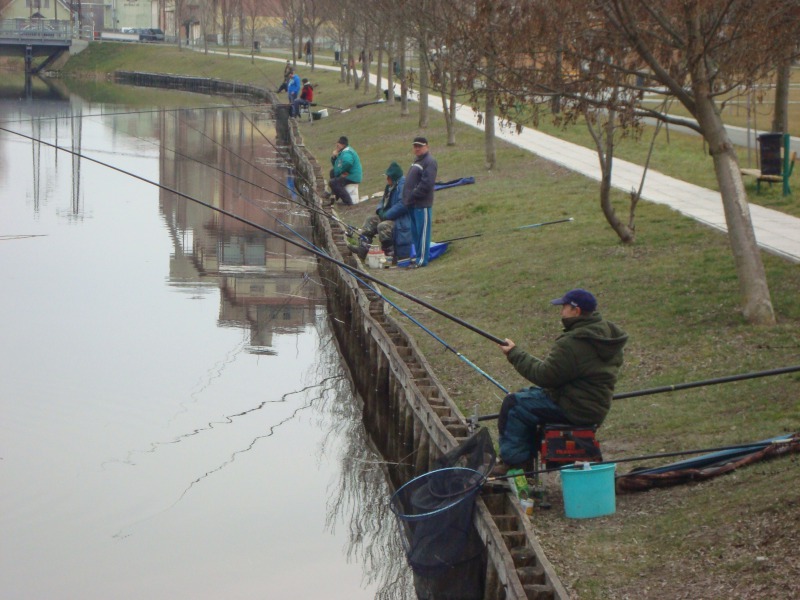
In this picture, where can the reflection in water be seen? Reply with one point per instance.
(184, 407)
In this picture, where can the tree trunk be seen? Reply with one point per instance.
(780, 118)
(451, 130)
(423, 83)
(403, 77)
(603, 138)
(753, 288)
(379, 72)
(490, 151)
(756, 301)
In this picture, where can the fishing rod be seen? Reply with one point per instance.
(414, 320)
(754, 445)
(311, 244)
(280, 236)
(684, 386)
(705, 382)
(474, 235)
(258, 169)
(329, 106)
(125, 113)
(350, 229)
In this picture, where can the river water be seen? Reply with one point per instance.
(176, 421)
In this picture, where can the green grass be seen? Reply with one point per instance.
(675, 291)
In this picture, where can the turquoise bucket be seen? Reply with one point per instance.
(589, 492)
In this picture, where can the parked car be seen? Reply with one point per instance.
(151, 35)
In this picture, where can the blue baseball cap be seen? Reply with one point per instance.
(578, 298)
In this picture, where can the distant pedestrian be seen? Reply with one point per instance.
(308, 51)
(418, 198)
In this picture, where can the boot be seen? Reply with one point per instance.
(360, 251)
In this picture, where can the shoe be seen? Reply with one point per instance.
(501, 469)
(359, 251)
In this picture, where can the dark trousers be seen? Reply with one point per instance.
(337, 187)
(520, 417)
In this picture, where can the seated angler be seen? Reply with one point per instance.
(391, 221)
(305, 99)
(576, 380)
(346, 170)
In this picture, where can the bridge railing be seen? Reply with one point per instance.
(35, 29)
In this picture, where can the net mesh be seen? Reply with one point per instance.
(435, 512)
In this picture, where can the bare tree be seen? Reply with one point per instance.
(315, 13)
(293, 17)
(695, 51)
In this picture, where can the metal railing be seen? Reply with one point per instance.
(35, 29)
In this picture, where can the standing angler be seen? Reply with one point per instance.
(418, 198)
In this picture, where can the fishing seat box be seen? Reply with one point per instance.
(566, 444)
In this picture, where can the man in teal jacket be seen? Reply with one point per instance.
(573, 385)
(346, 169)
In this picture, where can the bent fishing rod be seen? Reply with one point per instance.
(474, 235)
(280, 236)
(683, 386)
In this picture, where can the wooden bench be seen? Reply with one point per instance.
(783, 178)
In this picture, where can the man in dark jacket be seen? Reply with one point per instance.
(418, 198)
(391, 221)
(573, 385)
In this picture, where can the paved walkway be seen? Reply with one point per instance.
(776, 232)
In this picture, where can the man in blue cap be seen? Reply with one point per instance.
(573, 385)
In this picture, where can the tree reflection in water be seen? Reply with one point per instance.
(361, 496)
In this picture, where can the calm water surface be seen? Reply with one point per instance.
(176, 422)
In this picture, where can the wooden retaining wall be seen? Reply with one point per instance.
(407, 412)
(409, 415)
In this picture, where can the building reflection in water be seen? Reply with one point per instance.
(264, 281)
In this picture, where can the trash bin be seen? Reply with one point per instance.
(256, 45)
(336, 56)
(770, 152)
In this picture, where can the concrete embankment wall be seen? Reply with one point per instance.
(407, 412)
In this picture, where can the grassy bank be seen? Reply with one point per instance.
(674, 291)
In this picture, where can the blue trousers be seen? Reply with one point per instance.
(520, 416)
(421, 234)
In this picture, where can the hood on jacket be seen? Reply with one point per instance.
(606, 337)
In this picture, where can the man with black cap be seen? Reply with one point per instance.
(346, 169)
(573, 385)
(418, 198)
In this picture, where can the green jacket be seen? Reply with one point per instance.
(348, 164)
(580, 372)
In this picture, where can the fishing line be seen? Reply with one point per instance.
(259, 170)
(280, 236)
(311, 244)
(398, 308)
(474, 235)
(121, 533)
(115, 114)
